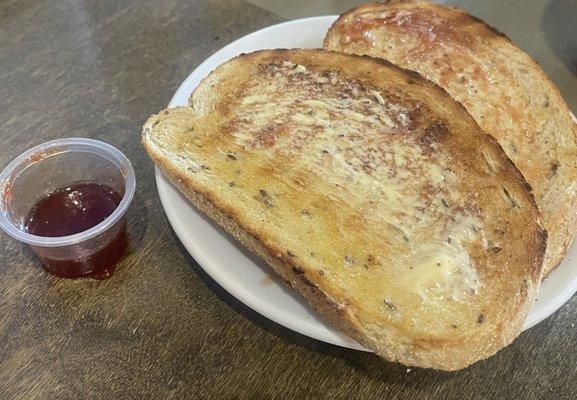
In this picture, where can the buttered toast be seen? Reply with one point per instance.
(368, 189)
(503, 88)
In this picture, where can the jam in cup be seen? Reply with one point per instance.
(67, 199)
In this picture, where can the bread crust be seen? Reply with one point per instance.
(391, 342)
(524, 137)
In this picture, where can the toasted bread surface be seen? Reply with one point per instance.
(370, 191)
(502, 87)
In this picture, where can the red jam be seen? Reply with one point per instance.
(74, 209)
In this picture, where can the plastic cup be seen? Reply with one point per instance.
(54, 165)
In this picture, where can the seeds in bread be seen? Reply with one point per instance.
(503, 88)
(368, 189)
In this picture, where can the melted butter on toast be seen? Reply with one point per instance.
(335, 127)
(370, 191)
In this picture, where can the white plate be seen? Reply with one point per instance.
(248, 279)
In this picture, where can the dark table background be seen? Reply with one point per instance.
(161, 328)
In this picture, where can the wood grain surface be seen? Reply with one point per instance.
(161, 328)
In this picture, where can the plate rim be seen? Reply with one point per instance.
(184, 85)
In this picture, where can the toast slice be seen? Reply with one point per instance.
(503, 88)
(370, 191)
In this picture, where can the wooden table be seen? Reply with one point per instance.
(161, 328)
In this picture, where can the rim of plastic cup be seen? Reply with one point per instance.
(97, 147)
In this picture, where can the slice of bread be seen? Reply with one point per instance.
(368, 189)
(503, 88)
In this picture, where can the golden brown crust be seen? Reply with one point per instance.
(423, 353)
(396, 341)
(503, 88)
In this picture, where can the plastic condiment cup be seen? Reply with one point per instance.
(54, 165)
